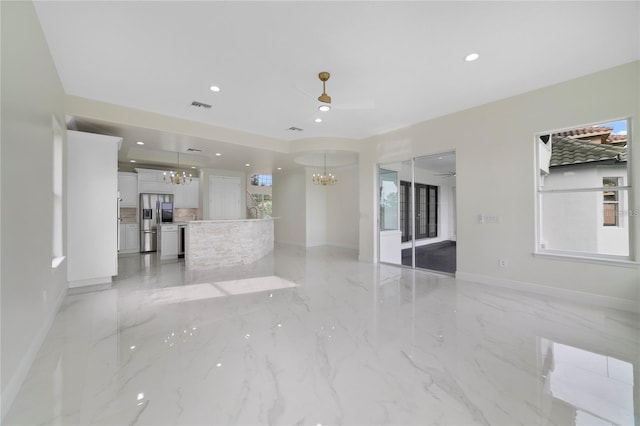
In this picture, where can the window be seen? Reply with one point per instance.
(610, 201)
(583, 191)
(405, 208)
(388, 200)
(57, 255)
(261, 180)
(426, 224)
(263, 203)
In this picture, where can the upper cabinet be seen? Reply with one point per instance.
(153, 182)
(185, 196)
(193, 191)
(128, 189)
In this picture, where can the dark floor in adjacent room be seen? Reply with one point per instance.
(436, 257)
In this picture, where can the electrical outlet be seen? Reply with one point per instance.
(502, 263)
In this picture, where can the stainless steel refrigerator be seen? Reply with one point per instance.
(154, 209)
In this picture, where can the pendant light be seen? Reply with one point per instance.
(324, 178)
(175, 178)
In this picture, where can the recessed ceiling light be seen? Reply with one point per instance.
(214, 88)
(218, 154)
(279, 168)
(193, 167)
(471, 57)
(247, 164)
(140, 143)
(132, 161)
(318, 120)
(324, 108)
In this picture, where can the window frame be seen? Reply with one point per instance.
(57, 193)
(625, 187)
(404, 196)
(615, 203)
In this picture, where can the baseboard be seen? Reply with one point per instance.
(20, 374)
(290, 243)
(89, 289)
(128, 251)
(343, 246)
(561, 293)
(298, 244)
(90, 281)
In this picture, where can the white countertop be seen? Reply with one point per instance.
(232, 220)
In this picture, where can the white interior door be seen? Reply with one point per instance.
(225, 197)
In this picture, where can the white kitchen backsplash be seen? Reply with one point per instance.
(128, 215)
(185, 215)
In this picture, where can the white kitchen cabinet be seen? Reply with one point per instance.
(152, 181)
(193, 194)
(187, 196)
(129, 238)
(168, 244)
(132, 239)
(128, 189)
(180, 196)
(225, 197)
(122, 237)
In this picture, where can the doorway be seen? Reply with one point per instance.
(418, 213)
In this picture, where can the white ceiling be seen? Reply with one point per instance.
(392, 64)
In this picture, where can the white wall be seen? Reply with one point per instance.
(574, 222)
(315, 210)
(289, 206)
(342, 209)
(31, 289)
(92, 182)
(495, 158)
(315, 215)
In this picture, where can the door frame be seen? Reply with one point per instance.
(412, 197)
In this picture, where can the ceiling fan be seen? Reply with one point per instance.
(326, 99)
(324, 76)
(446, 174)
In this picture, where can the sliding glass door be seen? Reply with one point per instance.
(417, 212)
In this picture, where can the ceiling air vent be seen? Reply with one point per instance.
(200, 105)
(295, 129)
(193, 150)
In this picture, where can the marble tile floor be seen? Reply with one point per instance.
(314, 337)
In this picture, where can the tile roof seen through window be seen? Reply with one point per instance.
(596, 134)
(585, 132)
(566, 152)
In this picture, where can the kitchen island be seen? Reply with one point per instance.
(213, 244)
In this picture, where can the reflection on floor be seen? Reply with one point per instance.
(436, 257)
(314, 337)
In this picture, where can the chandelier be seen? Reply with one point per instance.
(324, 178)
(177, 178)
